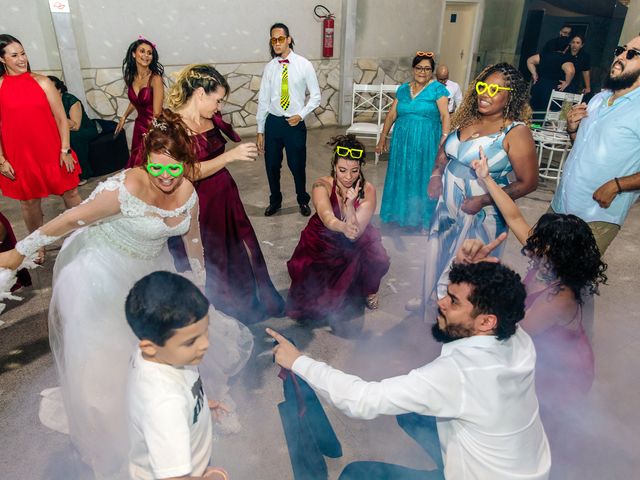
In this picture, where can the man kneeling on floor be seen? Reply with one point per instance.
(479, 394)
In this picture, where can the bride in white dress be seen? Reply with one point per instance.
(121, 234)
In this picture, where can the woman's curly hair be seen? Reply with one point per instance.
(567, 245)
(517, 108)
(169, 135)
(348, 141)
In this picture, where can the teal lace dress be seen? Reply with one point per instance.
(414, 145)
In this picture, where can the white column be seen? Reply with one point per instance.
(61, 18)
(347, 57)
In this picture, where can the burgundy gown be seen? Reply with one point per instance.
(143, 103)
(331, 276)
(238, 281)
(9, 243)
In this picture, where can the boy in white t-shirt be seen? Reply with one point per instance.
(170, 424)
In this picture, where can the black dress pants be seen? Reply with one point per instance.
(279, 135)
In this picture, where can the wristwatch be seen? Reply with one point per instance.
(65, 150)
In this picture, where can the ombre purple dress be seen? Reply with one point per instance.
(330, 275)
(238, 281)
(143, 103)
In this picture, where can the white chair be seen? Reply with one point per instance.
(557, 108)
(550, 144)
(369, 104)
(559, 104)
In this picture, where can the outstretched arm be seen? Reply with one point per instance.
(103, 203)
(245, 152)
(503, 201)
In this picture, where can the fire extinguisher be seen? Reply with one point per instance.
(327, 29)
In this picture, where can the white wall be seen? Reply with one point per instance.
(631, 27)
(30, 22)
(189, 31)
(397, 28)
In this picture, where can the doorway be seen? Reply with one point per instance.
(456, 44)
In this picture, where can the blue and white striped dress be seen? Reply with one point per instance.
(450, 226)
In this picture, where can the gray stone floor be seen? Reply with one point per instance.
(391, 342)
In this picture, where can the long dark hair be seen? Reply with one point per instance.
(568, 246)
(6, 39)
(59, 84)
(348, 141)
(286, 32)
(129, 68)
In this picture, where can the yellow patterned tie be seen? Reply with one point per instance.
(284, 91)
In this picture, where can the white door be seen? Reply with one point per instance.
(457, 37)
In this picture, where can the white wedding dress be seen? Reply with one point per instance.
(122, 240)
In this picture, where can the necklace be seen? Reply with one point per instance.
(412, 87)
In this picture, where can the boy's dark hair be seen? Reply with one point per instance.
(495, 290)
(162, 302)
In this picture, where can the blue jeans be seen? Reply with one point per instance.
(423, 430)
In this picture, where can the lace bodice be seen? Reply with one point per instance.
(140, 230)
(127, 223)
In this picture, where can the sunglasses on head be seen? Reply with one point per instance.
(276, 40)
(631, 52)
(425, 54)
(157, 169)
(354, 153)
(490, 89)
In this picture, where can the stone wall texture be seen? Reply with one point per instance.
(106, 91)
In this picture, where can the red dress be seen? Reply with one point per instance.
(330, 275)
(238, 282)
(31, 142)
(143, 103)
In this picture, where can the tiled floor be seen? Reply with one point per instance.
(391, 342)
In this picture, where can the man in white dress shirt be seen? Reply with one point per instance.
(480, 389)
(455, 94)
(280, 117)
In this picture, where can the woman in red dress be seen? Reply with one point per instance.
(143, 76)
(35, 159)
(339, 262)
(238, 281)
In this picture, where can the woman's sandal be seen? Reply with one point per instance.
(372, 301)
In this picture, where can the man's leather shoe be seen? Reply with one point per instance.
(305, 211)
(271, 209)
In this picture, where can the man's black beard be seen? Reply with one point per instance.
(622, 81)
(442, 336)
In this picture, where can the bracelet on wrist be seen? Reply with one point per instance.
(436, 175)
(618, 185)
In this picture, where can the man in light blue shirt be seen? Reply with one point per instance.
(601, 177)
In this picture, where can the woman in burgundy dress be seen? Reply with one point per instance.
(35, 158)
(143, 76)
(238, 281)
(339, 262)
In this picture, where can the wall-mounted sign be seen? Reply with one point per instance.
(59, 6)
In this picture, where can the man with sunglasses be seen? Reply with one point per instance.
(281, 113)
(601, 177)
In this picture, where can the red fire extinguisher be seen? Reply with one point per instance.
(327, 29)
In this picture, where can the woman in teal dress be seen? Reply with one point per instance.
(493, 116)
(420, 117)
(82, 129)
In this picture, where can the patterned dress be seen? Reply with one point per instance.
(450, 226)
